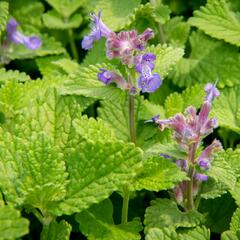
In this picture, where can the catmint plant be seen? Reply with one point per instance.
(130, 48)
(189, 130)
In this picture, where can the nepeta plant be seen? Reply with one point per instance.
(189, 131)
(79, 157)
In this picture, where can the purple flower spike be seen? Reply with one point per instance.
(200, 177)
(211, 92)
(98, 30)
(153, 119)
(32, 42)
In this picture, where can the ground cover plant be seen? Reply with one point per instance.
(119, 120)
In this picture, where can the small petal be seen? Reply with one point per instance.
(153, 119)
(98, 30)
(146, 35)
(105, 76)
(32, 43)
(203, 114)
(149, 84)
(200, 177)
(211, 92)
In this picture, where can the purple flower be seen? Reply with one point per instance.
(98, 30)
(32, 42)
(153, 119)
(200, 177)
(147, 81)
(108, 77)
(211, 92)
(105, 76)
(204, 160)
(147, 60)
(126, 43)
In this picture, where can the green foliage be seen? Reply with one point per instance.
(85, 83)
(217, 20)
(12, 225)
(97, 224)
(115, 14)
(65, 7)
(3, 16)
(235, 221)
(12, 75)
(218, 221)
(230, 235)
(177, 103)
(52, 19)
(158, 173)
(177, 31)
(226, 109)
(56, 230)
(164, 213)
(222, 172)
(95, 170)
(198, 68)
(28, 13)
(167, 58)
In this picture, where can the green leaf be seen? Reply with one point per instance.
(12, 225)
(198, 233)
(36, 156)
(115, 14)
(66, 7)
(161, 13)
(212, 189)
(85, 83)
(235, 221)
(52, 19)
(177, 103)
(198, 68)
(3, 16)
(67, 65)
(176, 31)
(227, 109)
(97, 224)
(230, 235)
(96, 169)
(89, 128)
(218, 221)
(167, 58)
(56, 230)
(164, 212)
(222, 172)
(236, 193)
(28, 13)
(12, 75)
(158, 173)
(217, 20)
(161, 234)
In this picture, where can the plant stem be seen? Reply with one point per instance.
(191, 158)
(132, 130)
(161, 36)
(125, 205)
(72, 45)
(190, 202)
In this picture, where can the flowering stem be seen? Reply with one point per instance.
(72, 45)
(132, 131)
(125, 204)
(191, 157)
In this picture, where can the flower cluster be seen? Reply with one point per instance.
(189, 129)
(13, 35)
(126, 46)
